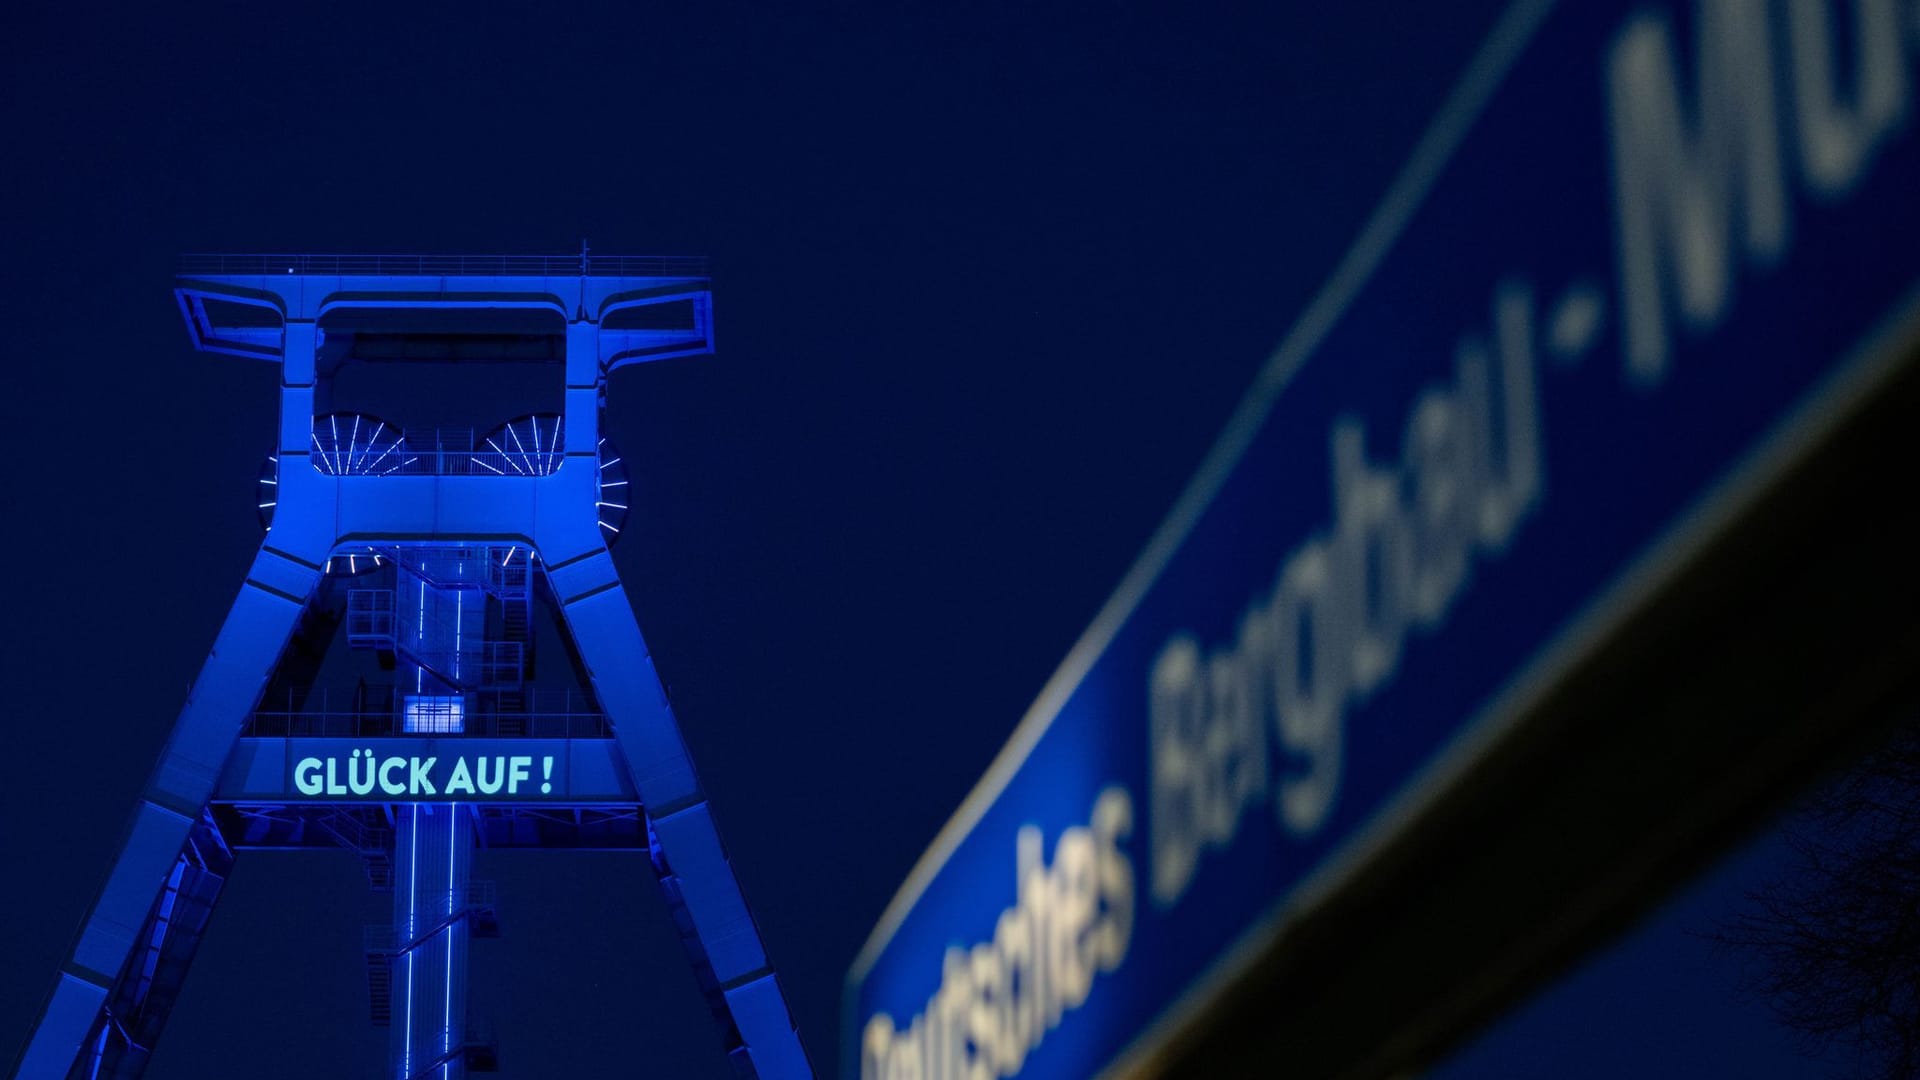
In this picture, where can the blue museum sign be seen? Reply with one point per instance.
(1644, 258)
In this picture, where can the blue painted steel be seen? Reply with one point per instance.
(75, 1004)
(433, 855)
(1644, 257)
(436, 639)
(334, 498)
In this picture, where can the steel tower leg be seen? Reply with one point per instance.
(77, 1033)
(716, 928)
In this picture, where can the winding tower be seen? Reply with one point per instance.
(430, 654)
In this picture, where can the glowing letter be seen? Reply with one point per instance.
(461, 781)
(419, 780)
(390, 786)
(306, 776)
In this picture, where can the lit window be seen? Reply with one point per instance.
(435, 713)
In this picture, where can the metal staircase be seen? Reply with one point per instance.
(479, 1053)
(382, 945)
(370, 622)
(373, 843)
(511, 581)
(379, 954)
(381, 618)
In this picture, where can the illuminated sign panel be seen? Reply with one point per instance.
(443, 772)
(1644, 258)
(426, 769)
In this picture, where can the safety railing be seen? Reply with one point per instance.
(448, 265)
(503, 665)
(508, 577)
(356, 725)
(345, 444)
(375, 710)
(370, 618)
(407, 460)
(475, 899)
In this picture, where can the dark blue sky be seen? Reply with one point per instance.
(1666, 1001)
(988, 282)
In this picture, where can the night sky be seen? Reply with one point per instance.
(987, 284)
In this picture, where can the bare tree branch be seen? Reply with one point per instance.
(1833, 946)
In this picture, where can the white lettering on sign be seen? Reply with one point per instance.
(1780, 100)
(362, 773)
(1265, 714)
(1702, 191)
(1070, 922)
(1697, 191)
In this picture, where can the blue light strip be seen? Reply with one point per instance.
(391, 447)
(459, 616)
(453, 925)
(413, 877)
(515, 436)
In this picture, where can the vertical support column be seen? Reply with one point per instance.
(433, 856)
(583, 389)
(299, 342)
(433, 860)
